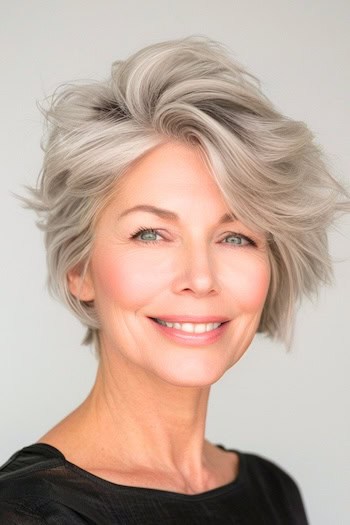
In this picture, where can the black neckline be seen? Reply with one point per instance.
(146, 490)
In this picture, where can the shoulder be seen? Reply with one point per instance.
(265, 469)
(25, 484)
(272, 481)
(259, 470)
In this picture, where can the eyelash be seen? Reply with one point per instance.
(156, 232)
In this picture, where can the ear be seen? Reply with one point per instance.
(80, 285)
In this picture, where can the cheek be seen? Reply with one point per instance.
(126, 279)
(251, 283)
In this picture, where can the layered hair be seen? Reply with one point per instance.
(270, 171)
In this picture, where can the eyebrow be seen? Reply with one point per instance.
(170, 215)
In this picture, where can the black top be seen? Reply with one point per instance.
(39, 486)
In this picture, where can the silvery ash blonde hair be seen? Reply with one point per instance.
(270, 172)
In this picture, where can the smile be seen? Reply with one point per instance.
(192, 328)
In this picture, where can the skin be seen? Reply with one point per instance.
(150, 390)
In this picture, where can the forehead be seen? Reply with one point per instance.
(174, 168)
(175, 180)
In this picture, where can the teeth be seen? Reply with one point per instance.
(194, 328)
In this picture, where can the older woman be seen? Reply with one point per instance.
(182, 215)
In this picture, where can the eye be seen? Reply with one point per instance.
(145, 232)
(143, 235)
(239, 240)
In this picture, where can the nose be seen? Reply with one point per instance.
(196, 269)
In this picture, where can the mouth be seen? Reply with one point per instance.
(190, 327)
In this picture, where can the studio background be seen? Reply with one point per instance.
(291, 408)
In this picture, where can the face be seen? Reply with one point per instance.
(185, 262)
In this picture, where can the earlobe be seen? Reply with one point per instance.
(80, 284)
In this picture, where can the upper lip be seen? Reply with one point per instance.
(193, 318)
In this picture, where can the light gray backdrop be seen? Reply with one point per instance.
(293, 408)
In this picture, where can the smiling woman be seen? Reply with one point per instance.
(195, 272)
(182, 215)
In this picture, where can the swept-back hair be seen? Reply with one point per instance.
(270, 171)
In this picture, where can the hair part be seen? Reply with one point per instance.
(270, 171)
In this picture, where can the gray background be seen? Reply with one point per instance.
(292, 408)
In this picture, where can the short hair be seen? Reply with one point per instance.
(270, 171)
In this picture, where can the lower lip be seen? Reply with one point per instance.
(179, 336)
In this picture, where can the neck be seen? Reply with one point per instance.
(148, 422)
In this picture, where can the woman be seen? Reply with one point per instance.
(182, 215)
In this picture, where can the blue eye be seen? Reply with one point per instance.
(143, 235)
(148, 231)
(239, 240)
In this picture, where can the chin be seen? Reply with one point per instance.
(192, 374)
